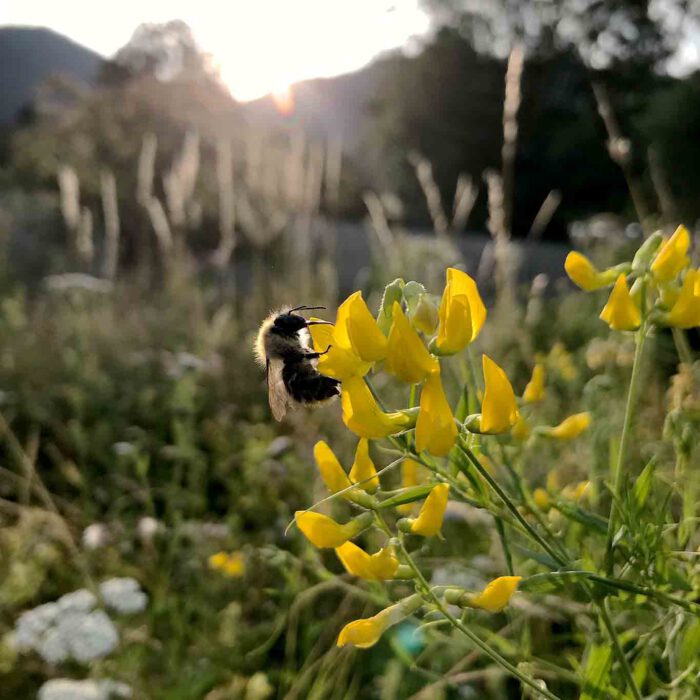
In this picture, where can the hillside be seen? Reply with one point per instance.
(29, 55)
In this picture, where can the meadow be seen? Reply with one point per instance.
(503, 503)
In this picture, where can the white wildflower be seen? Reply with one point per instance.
(96, 536)
(65, 689)
(32, 624)
(123, 595)
(89, 637)
(147, 528)
(77, 601)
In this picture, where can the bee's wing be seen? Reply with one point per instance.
(277, 392)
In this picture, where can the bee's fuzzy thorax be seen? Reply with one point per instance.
(259, 346)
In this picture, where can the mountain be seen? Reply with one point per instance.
(29, 55)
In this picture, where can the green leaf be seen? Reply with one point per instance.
(689, 645)
(596, 672)
(585, 517)
(414, 493)
(539, 557)
(642, 486)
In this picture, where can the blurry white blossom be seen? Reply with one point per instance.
(123, 448)
(123, 595)
(96, 536)
(71, 628)
(65, 689)
(147, 528)
(77, 601)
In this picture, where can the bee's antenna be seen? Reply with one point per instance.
(319, 323)
(305, 308)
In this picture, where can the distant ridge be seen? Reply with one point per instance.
(30, 55)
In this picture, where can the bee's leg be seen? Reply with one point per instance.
(316, 355)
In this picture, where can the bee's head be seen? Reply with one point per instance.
(289, 323)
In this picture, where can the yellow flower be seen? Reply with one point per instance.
(230, 564)
(499, 411)
(363, 472)
(432, 512)
(672, 256)
(436, 430)
(569, 428)
(685, 312)
(584, 274)
(410, 471)
(576, 493)
(363, 333)
(332, 473)
(462, 313)
(323, 531)
(541, 498)
(375, 567)
(521, 430)
(534, 391)
(363, 416)
(407, 358)
(366, 632)
(621, 313)
(497, 594)
(341, 361)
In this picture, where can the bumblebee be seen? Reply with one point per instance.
(283, 347)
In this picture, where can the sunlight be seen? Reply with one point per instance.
(259, 47)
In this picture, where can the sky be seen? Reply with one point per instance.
(260, 46)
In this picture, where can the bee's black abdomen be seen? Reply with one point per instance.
(306, 385)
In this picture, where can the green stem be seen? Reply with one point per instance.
(624, 444)
(682, 346)
(619, 651)
(508, 503)
(563, 561)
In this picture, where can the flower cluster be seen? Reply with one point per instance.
(410, 339)
(73, 628)
(665, 289)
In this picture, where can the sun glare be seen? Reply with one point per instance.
(260, 46)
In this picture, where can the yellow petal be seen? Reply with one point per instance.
(534, 391)
(521, 430)
(497, 594)
(411, 473)
(541, 498)
(363, 416)
(584, 274)
(499, 410)
(230, 564)
(323, 531)
(363, 472)
(376, 567)
(570, 427)
(332, 473)
(436, 430)
(339, 362)
(429, 520)
(621, 313)
(462, 313)
(685, 312)
(365, 337)
(672, 256)
(577, 492)
(406, 357)
(365, 633)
